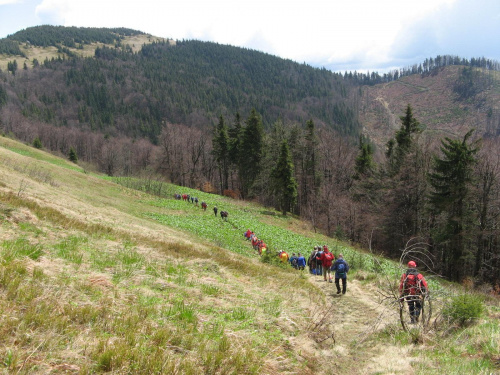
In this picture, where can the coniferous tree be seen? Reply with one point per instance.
(37, 143)
(364, 160)
(235, 135)
(284, 184)
(221, 148)
(451, 180)
(12, 66)
(398, 149)
(251, 151)
(3, 96)
(405, 185)
(311, 179)
(73, 157)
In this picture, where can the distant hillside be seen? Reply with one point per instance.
(35, 44)
(122, 89)
(448, 101)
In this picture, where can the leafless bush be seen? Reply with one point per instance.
(320, 328)
(23, 185)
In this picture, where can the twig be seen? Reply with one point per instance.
(28, 357)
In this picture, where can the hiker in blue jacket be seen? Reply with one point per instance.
(341, 268)
(301, 262)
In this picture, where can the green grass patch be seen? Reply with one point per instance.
(21, 247)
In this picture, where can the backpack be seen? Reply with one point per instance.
(294, 262)
(411, 284)
(341, 269)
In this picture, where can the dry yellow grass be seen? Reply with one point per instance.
(41, 53)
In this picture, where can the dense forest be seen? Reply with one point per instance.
(249, 125)
(44, 36)
(188, 82)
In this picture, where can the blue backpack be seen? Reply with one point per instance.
(341, 269)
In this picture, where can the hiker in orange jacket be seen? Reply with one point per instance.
(283, 256)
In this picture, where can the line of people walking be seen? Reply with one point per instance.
(321, 261)
(257, 244)
(194, 200)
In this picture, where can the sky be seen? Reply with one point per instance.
(339, 35)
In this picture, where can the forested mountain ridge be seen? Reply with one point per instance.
(135, 82)
(188, 82)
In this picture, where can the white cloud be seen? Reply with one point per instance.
(466, 29)
(6, 2)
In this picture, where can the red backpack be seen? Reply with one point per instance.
(412, 283)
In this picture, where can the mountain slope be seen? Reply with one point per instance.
(91, 279)
(127, 91)
(437, 102)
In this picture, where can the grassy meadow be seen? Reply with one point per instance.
(96, 277)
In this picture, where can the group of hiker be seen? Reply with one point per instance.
(188, 198)
(258, 244)
(296, 261)
(412, 287)
(322, 262)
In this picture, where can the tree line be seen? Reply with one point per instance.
(47, 35)
(429, 66)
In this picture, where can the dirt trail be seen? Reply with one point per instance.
(390, 115)
(357, 317)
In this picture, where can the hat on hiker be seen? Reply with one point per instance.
(412, 264)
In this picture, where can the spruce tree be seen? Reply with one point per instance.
(221, 152)
(251, 151)
(311, 178)
(73, 157)
(364, 160)
(37, 143)
(235, 136)
(398, 149)
(283, 180)
(451, 181)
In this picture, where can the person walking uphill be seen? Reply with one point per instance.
(301, 262)
(341, 268)
(413, 288)
(326, 263)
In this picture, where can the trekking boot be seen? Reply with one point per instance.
(338, 291)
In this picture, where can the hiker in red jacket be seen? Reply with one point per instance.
(248, 233)
(326, 263)
(255, 242)
(413, 288)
